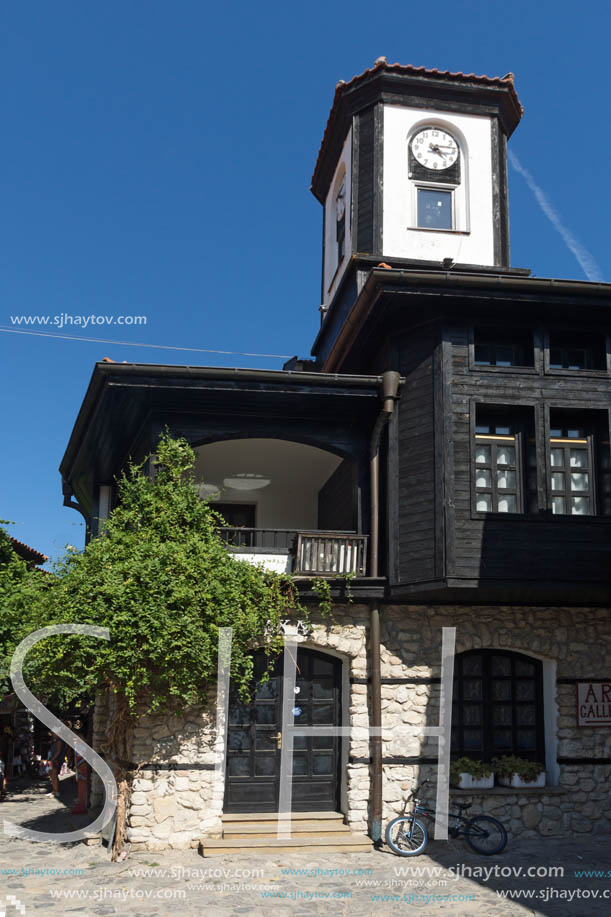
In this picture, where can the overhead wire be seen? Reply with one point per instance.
(74, 337)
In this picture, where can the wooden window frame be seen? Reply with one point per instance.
(563, 334)
(566, 443)
(487, 703)
(495, 441)
(493, 335)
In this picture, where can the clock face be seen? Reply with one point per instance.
(434, 149)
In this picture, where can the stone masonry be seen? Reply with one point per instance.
(173, 804)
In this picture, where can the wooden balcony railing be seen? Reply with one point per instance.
(330, 552)
(318, 553)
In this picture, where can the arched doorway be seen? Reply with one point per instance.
(253, 744)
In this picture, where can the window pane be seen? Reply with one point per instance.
(483, 478)
(482, 455)
(525, 668)
(555, 358)
(300, 766)
(557, 458)
(506, 479)
(579, 480)
(434, 209)
(527, 739)
(557, 480)
(482, 354)
(472, 665)
(322, 764)
(502, 738)
(508, 504)
(558, 505)
(506, 455)
(483, 503)
(580, 506)
(502, 429)
(574, 434)
(526, 715)
(238, 767)
(473, 739)
(502, 714)
(525, 690)
(472, 714)
(504, 355)
(472, 689)
(265, 765)
(501, 689)
(579, 458)
(501, 665)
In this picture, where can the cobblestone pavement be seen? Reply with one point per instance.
(43, 876)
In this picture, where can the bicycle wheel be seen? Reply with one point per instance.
(406, 836)
(486, 835)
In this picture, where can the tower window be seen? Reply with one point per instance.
(340, 221)
(434, 209)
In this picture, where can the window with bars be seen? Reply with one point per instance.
(501, 446)
(579, 466)
(497, 705)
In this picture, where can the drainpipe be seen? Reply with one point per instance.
(390, 385)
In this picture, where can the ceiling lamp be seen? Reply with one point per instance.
(208, 491)
(247, 482)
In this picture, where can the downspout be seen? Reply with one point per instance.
(390, 386)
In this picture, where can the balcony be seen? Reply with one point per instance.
(314, 553)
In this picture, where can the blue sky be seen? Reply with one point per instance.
(156, 160)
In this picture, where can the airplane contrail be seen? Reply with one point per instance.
(586, 260)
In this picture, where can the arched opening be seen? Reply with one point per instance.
(290, 506)
(498, 705)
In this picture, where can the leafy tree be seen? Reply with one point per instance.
(161, 579)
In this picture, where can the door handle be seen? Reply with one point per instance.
(278, 738)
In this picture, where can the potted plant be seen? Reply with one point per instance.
(468, 774)
(518, 772)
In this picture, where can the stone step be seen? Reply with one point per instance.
(271, 827)
(350, 843)
(273, 816)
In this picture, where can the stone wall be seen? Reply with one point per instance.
(173, 803)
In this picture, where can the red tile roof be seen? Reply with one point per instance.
(382, 65)
(27, 553)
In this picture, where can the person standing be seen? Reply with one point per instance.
(53, 761)
(81, 768)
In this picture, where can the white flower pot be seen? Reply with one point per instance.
(519, 784)
(467, 782)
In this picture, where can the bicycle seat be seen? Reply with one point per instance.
(463, 805)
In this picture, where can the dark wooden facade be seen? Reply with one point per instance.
(422, 323)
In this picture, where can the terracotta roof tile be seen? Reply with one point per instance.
(382, 64)
(28, 553)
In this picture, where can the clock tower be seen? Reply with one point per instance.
(412, 172)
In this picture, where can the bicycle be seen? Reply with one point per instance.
(407, 834)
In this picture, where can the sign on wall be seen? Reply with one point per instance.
(594, 703)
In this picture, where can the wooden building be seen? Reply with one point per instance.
(448, 445)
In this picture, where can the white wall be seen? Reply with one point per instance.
(296, 473)
(331, 278)
(473, 242)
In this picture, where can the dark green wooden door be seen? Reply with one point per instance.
(253, 746)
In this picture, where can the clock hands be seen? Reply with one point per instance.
(435, 148)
